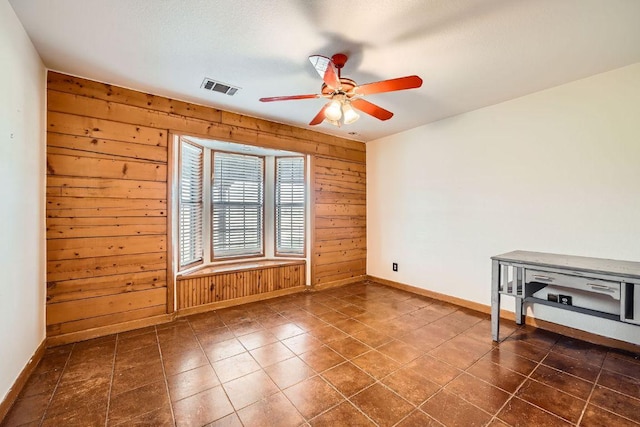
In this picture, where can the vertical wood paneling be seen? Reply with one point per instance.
(108, 171)
(194, 291)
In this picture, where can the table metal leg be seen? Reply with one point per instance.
(495, 300)
(518, 289)
(519, 316)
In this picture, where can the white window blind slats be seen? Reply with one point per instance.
(290, 205)
(237, 196)
(190, 204)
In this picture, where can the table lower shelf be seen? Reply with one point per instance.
(573, 308)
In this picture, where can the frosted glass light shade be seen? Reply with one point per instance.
(349, 114)
(333, 111)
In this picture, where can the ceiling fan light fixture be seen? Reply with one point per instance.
(349, 114)
(334, 111)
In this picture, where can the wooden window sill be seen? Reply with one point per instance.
(239, 266)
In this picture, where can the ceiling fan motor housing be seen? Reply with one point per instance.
(346, 87)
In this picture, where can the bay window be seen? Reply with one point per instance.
(237, 201)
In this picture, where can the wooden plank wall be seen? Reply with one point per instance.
(106, 220)
(216, 287)
(340, 234)
(107, 181)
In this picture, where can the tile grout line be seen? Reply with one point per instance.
(532, 379)
(302, 312)
(513, 395)
(122, 423)
(416, 409)
(345, 398)
(616, 413)
(280, 390)
(53, 393)
(441, 387)
(235, 411)
(377, 381)
(317, 374)
(462, 371)
(595, 384)
(403, 365)
(113, 371)
(164, 375)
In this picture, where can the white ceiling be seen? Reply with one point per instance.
(470, 53)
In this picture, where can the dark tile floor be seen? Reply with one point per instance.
(359, 355)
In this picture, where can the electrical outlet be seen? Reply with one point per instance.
(394, 266)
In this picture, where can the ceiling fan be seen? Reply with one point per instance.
(345, 95)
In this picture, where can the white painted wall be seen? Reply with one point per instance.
(555, 171)
(22, 183)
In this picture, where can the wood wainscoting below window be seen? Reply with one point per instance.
(219, 286)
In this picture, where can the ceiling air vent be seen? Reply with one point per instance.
(216, 86)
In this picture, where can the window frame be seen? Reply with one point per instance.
(213, 257)
(200, 261)
(304, 208)
(269, 155)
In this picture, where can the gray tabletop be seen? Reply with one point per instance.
(577, 263)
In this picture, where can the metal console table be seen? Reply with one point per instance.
(521, 274)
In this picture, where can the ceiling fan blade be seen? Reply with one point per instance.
(371, 109)
(319, 117)
(401, 83)
(324, 66)
(288, 98)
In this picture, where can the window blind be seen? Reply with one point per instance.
(289, 206)
(190, 204)
(237, 197)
